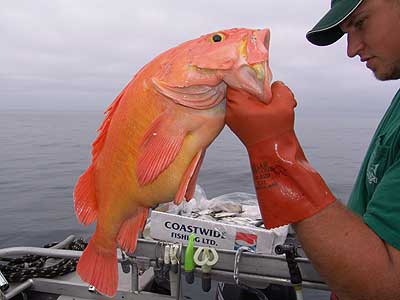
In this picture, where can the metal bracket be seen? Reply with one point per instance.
(237, 260)
(238, 254)
(125, 263)
(290, 251)
(142, 263)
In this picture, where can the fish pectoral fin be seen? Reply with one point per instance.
(159, 148)
(195, 96)
(85, 202)
(189, 178)
(128, 233)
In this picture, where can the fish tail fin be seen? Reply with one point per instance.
(99, 268)
(85, 202)
(128, 234)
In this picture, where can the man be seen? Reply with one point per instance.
(355, 249)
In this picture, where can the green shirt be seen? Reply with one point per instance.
(376, 193)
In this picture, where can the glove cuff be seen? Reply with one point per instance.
(288, 188)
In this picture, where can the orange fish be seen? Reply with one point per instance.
(154, 136)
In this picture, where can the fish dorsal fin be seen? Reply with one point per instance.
(195, 96)
(98, 143)
(160, 146)
(85, 203)
(85, 200)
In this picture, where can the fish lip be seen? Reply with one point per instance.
(259, 77)
(261, 68)
(262, 78)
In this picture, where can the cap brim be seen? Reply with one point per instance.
(327, 30)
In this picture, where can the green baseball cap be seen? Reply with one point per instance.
(327, 30)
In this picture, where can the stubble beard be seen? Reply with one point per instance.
(392, 72)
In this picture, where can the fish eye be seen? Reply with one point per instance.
(218, 37)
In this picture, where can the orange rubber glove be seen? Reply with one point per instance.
(288, 188)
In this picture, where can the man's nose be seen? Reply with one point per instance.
(354, 44)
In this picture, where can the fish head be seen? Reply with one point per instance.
(196, 73)
(241, 57)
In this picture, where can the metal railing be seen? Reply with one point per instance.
(254, 270)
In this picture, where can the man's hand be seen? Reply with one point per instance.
(288, 188)
(253, 121)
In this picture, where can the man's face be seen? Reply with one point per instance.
(373, 33)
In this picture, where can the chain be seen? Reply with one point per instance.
(32, 266)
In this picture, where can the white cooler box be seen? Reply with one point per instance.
(176, 228)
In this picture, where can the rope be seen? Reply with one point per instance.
(32, 266)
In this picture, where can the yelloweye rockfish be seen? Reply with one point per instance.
(153, 139)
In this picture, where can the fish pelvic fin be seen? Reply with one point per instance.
(188, 183)
(159, 148)
(128, 234)
(85, 202)
(99, 268)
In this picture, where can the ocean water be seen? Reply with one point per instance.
(43, 153)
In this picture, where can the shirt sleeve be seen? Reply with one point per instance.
(383, 211)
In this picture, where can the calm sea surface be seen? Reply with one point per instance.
(43, 153)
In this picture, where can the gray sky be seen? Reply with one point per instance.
(78, 55)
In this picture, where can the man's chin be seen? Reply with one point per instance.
(380, 76)
(388, 74)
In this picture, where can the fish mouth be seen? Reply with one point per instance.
(254, 79)
(252, 72)
(262, 81)
(260, 71)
